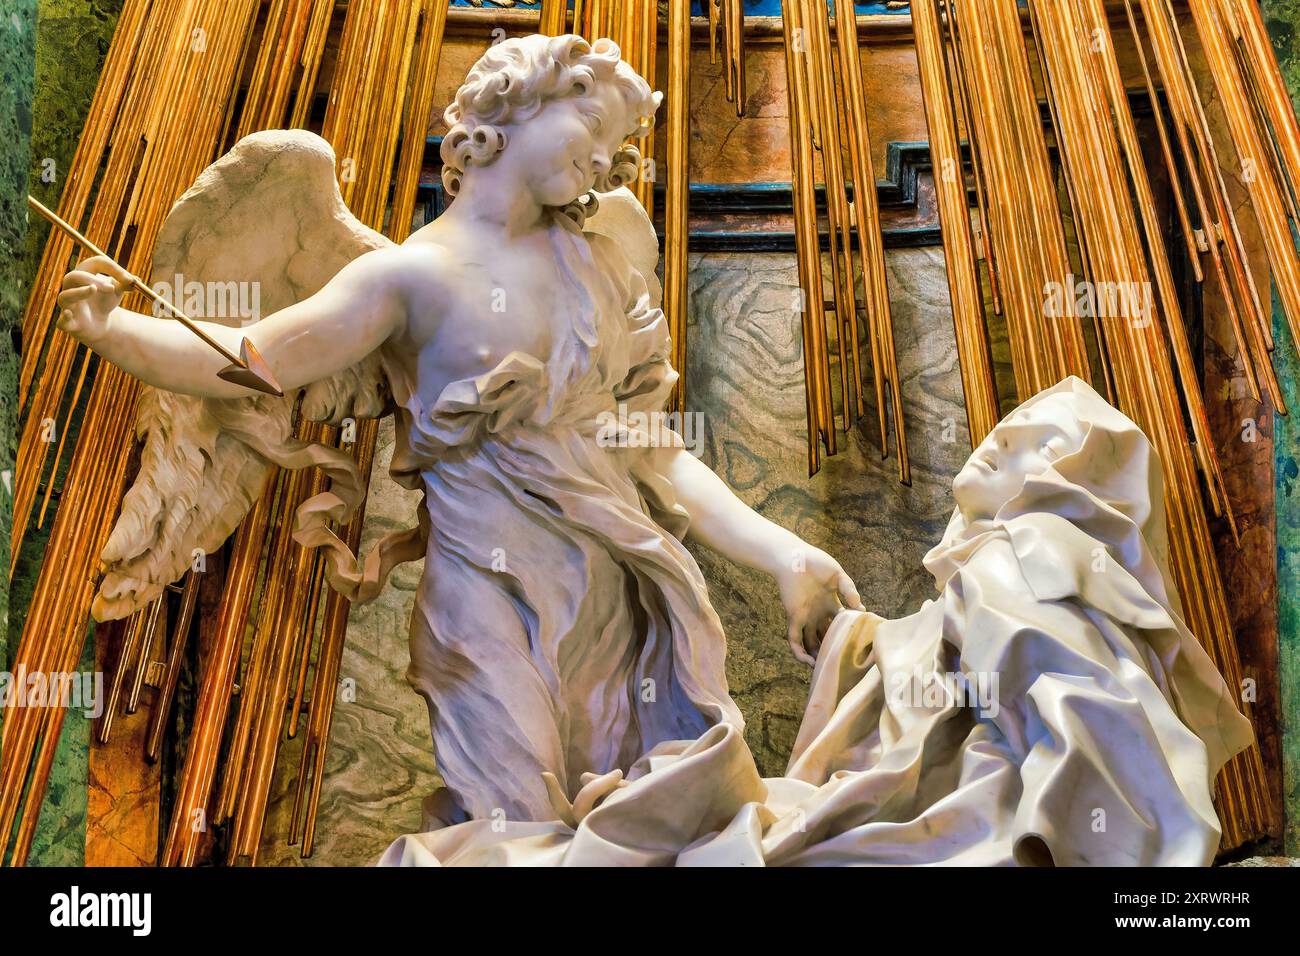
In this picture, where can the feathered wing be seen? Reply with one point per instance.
(621, 217)
(265, 223)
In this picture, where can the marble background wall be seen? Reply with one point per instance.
(17, 71)
(745, 375)
(1283, 18)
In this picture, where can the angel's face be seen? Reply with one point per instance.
(1024, 444)
(561, 152)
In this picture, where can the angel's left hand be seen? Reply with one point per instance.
(814, 588)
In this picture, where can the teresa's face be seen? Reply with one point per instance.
(1023, 445)
(562, 150)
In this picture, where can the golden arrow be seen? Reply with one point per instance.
(248, 368)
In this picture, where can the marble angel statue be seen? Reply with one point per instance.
(561, 630)
(1049, 706)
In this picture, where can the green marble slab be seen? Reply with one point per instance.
(1286, 448)
(1283, 20)
(17, 66)
(71, 39)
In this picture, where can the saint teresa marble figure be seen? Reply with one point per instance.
(561, 629)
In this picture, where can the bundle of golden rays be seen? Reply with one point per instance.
(171, 113)
(827, 111)
(160, 115)
(976, 62)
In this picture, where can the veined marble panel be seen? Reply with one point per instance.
(1284, 25)
(745, 376)
(17, 62)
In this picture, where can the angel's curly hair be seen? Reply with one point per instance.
(516, 78)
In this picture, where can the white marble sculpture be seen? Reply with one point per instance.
(1048, 707)
(562, 630)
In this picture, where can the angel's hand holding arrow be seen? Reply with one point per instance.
(90, 294)
(341, 324)
(88, 284)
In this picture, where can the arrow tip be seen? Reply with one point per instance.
(251, 372)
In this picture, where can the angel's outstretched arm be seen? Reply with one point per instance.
(812, 583)
(350, 317)
(722, 521)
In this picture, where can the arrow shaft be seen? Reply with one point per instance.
(135, 281)
(140, 286)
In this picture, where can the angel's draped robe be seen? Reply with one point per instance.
(560, 625)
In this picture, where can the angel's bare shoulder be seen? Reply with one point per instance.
(390, 267)
(427, 262)
(408, 278)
